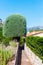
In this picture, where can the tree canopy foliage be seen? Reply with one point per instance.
(14, 26)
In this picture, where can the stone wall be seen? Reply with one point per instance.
(33, 58)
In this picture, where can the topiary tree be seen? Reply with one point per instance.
(14, 26)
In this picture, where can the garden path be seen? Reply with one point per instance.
(25, 60)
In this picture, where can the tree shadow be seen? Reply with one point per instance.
(19, 56)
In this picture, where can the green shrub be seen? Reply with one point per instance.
(13, 44)
(36, 45)
(21, 41)
(5, 55)
(6, 41)
(14, 26)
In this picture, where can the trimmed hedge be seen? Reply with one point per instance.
(36, 45)
(14, 26)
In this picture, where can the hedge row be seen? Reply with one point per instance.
(36, 45)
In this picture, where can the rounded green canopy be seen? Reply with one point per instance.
(14, 26)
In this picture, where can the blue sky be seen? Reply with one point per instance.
(32, 10)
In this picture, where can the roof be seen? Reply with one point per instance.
(34, 33)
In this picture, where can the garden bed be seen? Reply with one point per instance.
(8, 53)
(12, 60)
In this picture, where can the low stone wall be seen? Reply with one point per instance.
(33, 58)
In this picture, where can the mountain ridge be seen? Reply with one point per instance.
(35, 28)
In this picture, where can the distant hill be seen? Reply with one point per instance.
(35, 28)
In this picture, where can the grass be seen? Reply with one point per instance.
(5, 55)
(13, 44)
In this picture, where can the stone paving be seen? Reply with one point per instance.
(25, 60)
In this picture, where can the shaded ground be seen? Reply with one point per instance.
(19, 56)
